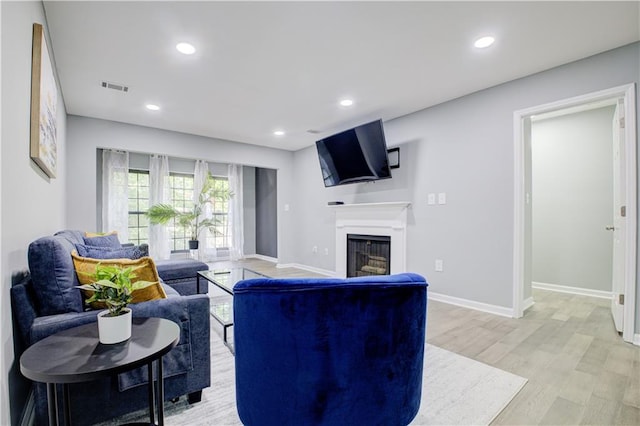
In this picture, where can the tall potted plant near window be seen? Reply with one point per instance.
(193, 219)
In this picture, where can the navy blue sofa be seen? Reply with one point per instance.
(48, 302)
(329, 351)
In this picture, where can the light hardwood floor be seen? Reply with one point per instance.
(579, 369)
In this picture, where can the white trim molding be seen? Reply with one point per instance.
(572, 290)
(636, 340)
(262, 257)
(320, 271)
(528, 302)
(385, 219)
(471, 304)
(521, 122)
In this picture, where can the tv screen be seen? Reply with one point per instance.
(355, 155)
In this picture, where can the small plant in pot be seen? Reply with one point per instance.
(193, 219)
(112, 287)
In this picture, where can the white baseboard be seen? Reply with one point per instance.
(527, 303)
(465, 303)
(262, 257)
(636, 339)
(572, 290)
(320, 271)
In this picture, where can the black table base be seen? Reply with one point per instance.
(151, 338)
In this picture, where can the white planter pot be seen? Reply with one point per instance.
(114, 329)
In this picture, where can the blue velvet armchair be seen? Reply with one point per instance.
(48, 302)
(329, 351)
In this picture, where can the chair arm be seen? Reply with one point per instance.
(192, 353)
(46, 326)
(197, 310)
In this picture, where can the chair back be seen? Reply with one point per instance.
(329, 351)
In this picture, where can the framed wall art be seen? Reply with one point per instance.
(44, 101)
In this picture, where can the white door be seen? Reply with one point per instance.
(619, 219)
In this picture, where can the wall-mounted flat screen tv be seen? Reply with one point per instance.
(355, 155)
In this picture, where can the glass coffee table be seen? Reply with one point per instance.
(221, 296)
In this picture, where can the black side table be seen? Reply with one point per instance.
(75, 355)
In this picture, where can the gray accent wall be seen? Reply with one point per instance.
(32, 204)
(572, 199)
(266, 212)
(465, 148)
(249, 206)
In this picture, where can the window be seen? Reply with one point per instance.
(138, 205)
(181, 198)
(220, 211)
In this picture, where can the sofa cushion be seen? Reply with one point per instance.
(175, 269)
(73, 236)
(109, 240)
(86, 266)
(96, 252)
(53, 275)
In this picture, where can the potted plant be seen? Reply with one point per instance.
(112, 287)
(192, 219)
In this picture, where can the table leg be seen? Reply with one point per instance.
(52, 404)
(152, 399)
(160, 394)
(66, 403)
(197, 283)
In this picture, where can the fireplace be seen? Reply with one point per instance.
(368, 255)
(373, 222)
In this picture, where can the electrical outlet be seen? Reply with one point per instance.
(431, 199)
(442, 198)
(439, 266)
(314, 249)
(326, 252)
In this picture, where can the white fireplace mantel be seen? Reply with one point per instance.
(389, 219)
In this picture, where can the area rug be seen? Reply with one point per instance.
(456, 391)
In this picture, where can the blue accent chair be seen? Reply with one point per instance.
(329, 351)
(47, 301)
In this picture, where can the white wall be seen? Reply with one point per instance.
(33, 205)
(86, 135)
(572, 199)
(463, 148)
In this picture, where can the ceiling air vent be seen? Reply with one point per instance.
(115, 86)
(313, 132)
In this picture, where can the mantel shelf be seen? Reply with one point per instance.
(391, 204)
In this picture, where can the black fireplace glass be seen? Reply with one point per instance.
(368, 255)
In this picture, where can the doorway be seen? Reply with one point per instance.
(625, 231)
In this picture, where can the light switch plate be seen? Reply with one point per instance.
(431, 199)
(442, 198)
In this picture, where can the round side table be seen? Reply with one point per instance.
(75, 355)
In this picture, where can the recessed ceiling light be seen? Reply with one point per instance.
(279, 133)
(186, 48)
(484, 42)
(152, 107)
(346, 102)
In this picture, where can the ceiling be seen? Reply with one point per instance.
(264, 66)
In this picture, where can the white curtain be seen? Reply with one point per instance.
(159, 247)
(206, 250)
(115, 193)
(236, 223)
